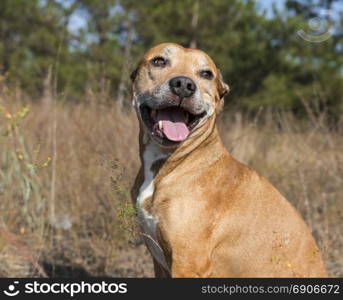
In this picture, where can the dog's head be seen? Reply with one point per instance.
(175, 90)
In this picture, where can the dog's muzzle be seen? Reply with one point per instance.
(172, 110)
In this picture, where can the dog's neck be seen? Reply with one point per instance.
(162, 161)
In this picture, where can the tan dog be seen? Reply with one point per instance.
(205, 214)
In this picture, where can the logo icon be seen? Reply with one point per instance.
(320, 28)
(12, 290)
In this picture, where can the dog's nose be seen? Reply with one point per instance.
(182, 86)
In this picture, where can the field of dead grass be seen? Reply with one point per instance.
(66, 171)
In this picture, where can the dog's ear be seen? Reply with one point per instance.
(134, 74)
(223, 89)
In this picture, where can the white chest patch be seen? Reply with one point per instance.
(152, 153)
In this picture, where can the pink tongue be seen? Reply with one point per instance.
(173, 123)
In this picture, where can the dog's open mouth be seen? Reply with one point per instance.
(171, 123)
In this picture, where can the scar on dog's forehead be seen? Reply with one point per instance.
(167, 51)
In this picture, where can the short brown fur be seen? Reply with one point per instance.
(217, 217)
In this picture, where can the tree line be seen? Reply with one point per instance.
(289, 58)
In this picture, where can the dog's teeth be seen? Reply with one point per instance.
(160, 126)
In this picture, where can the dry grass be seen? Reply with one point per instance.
(65, 173)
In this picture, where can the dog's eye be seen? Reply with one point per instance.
(207, 74)
(159, 62)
